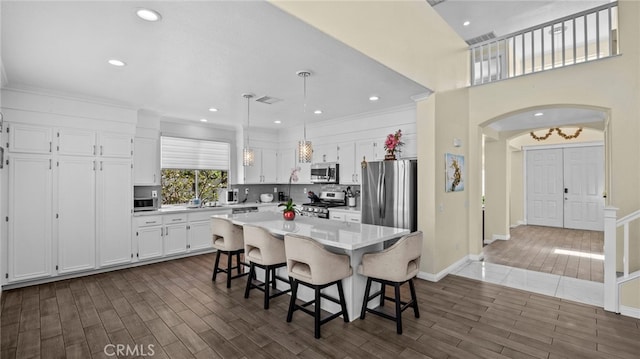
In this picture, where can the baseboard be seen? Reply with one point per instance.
(500, 237)
(101, 270)
(489, 241)
(443, 273)
(518, 224)
(630, 311)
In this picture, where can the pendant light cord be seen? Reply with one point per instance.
(248, 120)
(304, 108)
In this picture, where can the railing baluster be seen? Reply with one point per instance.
(597, 34)
(491, 54)
(625, 255)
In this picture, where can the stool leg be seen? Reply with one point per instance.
(252, 269)
(366, 298)
(267, 271)
(292, 302)
(414, 298)
(316, 327)
(215, 266)
(398, 309)
(237, 262)
(343, 305)
(382, 290)
(273, 278)
(229, 256)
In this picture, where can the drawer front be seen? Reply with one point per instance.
(352, 217)
(174, 218)
(148, 221)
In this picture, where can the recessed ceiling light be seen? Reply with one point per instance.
(318, 112)
(213, 109)
(116, 62)
(277, 122)
(148, 15)
(466, 23)
(203, 120)
(374, 98)
(538, 114)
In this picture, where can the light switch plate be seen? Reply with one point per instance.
(154, 194)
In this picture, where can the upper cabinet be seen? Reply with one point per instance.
(76, 142)
(115, 145)
(346, 160)
(286, 164)
(325, 152)
(29, 139)
(264, 169)
(146, 162)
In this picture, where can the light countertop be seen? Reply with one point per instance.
(183, 209)
(338, 234)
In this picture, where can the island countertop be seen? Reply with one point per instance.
(338, 234)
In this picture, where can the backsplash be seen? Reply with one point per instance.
(298, 191)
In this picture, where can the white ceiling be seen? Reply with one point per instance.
(208, 53)
(202, 54)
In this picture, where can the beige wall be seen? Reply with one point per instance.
(516, 196)
(497, 180)
(409, 37)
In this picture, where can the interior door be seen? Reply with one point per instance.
(584, 185)
(544, 187)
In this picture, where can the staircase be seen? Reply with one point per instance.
(613, 279)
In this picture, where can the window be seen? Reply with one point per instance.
(192, 168)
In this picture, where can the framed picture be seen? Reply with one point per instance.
(454, 172)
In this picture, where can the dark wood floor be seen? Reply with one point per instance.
(532, 247)
(175, 307)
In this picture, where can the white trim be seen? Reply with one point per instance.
(518, 223)
(443, 273)
(563, 145)
(489, 241)
(421, 96)
(630, 311)
(500, 237)
(101, 270)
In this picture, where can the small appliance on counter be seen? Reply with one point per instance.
(194, 203)
(351, 198)
(227, 196)
(282, 197)
(266, 197)
(145, 204)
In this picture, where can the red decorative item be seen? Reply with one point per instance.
(289, 215)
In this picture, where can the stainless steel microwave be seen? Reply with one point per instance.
(227, 195)
(145, 204)
(325, 172)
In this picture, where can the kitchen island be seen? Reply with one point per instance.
(353, 239)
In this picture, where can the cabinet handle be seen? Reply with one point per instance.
(94, 165)
(166, 229)
(100, 165)
(154, 178)
(50, 146)
(100, 150)
(94, 150)
(150, 222)
(176, 219)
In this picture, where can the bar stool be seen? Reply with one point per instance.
(311, 265)
(266, 251)
(394, 266)
(228, 239)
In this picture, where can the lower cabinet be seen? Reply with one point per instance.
(345, 216)
(175, 233)
(149, 236)
(199, 235)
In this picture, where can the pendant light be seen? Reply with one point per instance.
(305, 149)
(247, 152)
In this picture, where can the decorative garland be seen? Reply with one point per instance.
(560, 133)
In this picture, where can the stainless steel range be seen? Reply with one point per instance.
(320, 207)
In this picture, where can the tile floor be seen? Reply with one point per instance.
(578, 290)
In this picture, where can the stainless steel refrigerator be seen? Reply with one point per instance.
(389, 194)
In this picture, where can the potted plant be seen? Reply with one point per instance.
(289, 212)
(393, 144)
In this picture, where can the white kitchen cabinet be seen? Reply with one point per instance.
(264, 169)
(115, 145)
(269, 166)
(410, 148)
(346, 160)
(146, 162)
(76, 142)
(175, 233)
(286, 163)
(149, 234)
(325, 152)
(365, 151)
(199, 236)
(30, 217)
(29, 139)
(345, 215)
(114, 203)
(75, 228)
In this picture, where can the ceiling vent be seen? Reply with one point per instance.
(481, 38)
(435, 2)
(268, 100)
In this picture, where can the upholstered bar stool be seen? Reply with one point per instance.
(266, 251)
(394, 266)
(228, 239)
(313, 266)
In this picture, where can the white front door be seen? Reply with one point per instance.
(584, 185)
(544, 187)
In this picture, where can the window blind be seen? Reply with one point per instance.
(184, 153)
